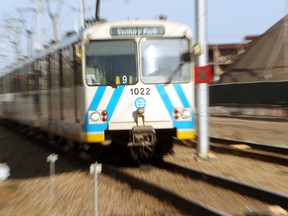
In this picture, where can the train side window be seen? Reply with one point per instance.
(79, 74)
(67, 64)
(6, 83)
(18, 81)
(77, 66)
(9, 83)
(61, 81)
(54, 71)
(29, 70)
(1, 85)
(14, 82)
(43, 75)
(49, 73)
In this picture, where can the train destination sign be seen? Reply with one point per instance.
(140, 30)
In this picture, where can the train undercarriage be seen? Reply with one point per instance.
(142, 143)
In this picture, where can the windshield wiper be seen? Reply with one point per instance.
(103, 73)
(174, 73)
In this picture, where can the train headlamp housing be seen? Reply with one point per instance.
(185, 114)
(98, 116)
(182, 114)
(95, 116)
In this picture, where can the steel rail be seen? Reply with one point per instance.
(261, 194)
(263, 152)
(265, 147)
(184, 205)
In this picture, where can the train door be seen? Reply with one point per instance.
(78, 83)
(43, 79)
(55, 91)
(67, 92)
(37, 102)
(49, 97)
(61, 87)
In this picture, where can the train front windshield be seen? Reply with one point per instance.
(115, 62)
(161, 60)
(111, 62)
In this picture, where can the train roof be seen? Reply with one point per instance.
(66, 41)
(106, 29)
(265, 60)
(102, 29)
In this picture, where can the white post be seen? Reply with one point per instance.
(203, 136)
(201, 30)
(40, 25)
(95, 169)
(202, 88)
(82, 14)
(51, 159)
(4, 171)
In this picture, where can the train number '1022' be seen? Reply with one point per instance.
(140, 91)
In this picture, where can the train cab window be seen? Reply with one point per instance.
(67, 67)
(111, 63)
(161, 60)
(15, 82)
(42, 68)
(7, 83)
(78, 73)
(54, 71)
(30, 75)
(1, 85)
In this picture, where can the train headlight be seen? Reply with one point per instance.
(182, 114)
(95, 116)
(98, 116)
(185, 114)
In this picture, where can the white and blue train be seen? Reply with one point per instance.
(119, 82)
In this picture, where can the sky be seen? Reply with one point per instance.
(228, 21)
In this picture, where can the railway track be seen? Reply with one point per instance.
(186, 189)
(210, 196)
(26, 191)
(262, 194)
(184, 205)
(271, 148)
(264, 152)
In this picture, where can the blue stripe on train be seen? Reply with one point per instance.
(114, 101)
(182, 96)
(110, 107)
(169, 106)
(97, 98)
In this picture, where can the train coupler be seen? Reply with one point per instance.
(142, 136)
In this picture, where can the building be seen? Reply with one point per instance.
(223, 55)
(264, 60)
(256, 81)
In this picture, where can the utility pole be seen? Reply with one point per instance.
(5, 52)
(202, 88)
(54, 17)
(285, 41)
(29, 31)
(82, 13)
(40, 24)
(97, 11)
(12, 26)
